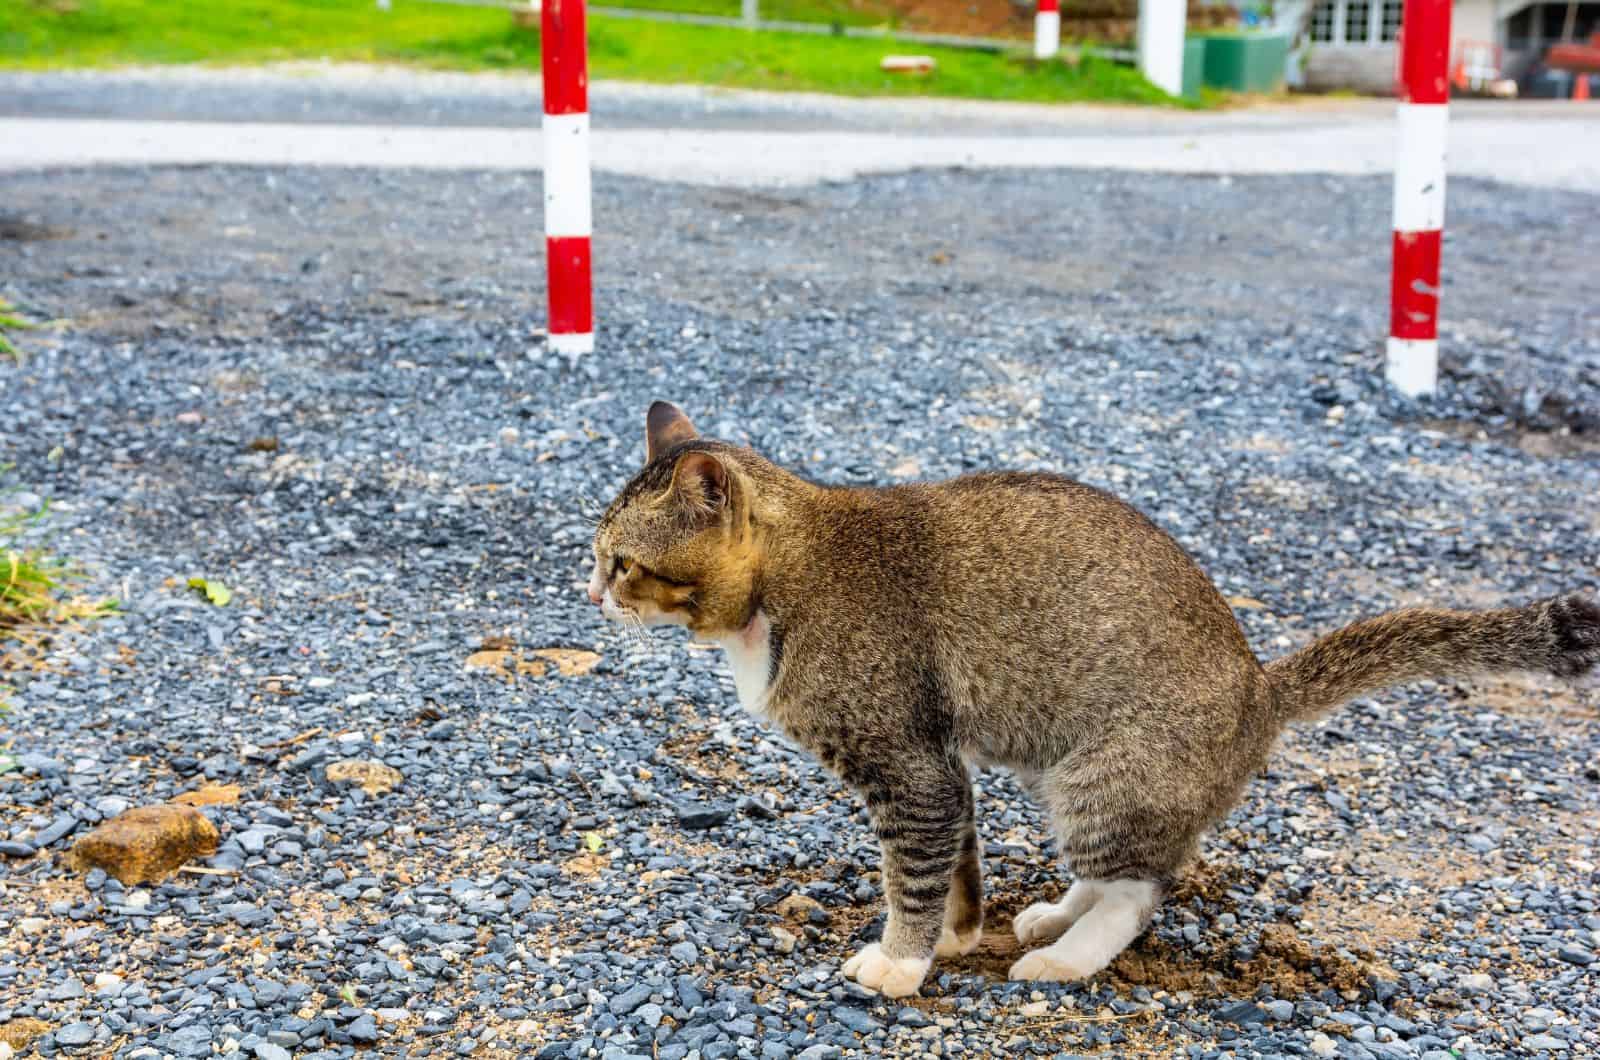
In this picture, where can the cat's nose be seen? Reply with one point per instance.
(594, 597)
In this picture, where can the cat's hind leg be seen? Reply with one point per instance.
(1124, 837)
(1048, 921)
(1117, 912)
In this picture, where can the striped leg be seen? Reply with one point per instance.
(921, 812)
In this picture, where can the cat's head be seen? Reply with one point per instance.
(676, 547)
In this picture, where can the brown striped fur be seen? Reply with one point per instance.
(1011, 619)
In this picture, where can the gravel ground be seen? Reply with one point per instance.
(315, 386)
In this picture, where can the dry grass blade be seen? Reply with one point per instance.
(292, 741)
(28, 588)
(1085, 1018)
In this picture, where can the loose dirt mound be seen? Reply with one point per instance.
(1285, 962)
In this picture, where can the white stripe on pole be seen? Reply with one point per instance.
(1413, 365)
(1046, 34)
(1162, 24)
(567, 208)
(570, 342)
(564, 66)
(1424, 90)
(1419, 167)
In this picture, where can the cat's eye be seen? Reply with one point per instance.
(621, 565)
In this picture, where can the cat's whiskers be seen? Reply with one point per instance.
(590, 508)
(634, 627)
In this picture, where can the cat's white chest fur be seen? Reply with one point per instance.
(750, 657)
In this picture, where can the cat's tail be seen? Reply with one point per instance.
(1560, 636)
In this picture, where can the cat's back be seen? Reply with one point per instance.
(1013, 530)
(1031, 517)
(1046, 583)
(1009, 556)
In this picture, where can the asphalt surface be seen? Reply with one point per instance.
(311, 114)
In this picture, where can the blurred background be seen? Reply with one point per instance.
(971, 48)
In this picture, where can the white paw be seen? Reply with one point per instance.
(1041, 922)
(1051, 965)
(951, 944)
(876, 970)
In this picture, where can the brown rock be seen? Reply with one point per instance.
(375, 778)
(18, 1033)
(571, 662)
(797, 908)
(146, 844)
(209, 795)
(504, 662)
(489, 659)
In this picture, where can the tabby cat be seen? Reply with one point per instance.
(1011, 619)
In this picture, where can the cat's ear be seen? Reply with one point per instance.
(665, 426)
(700, 484)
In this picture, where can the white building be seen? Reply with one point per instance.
(1351, 43)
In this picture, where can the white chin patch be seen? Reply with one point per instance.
(750, 658)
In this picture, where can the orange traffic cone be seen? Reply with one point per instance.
(1581, 89)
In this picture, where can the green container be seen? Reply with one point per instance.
(1194, 60)
(1246, 62)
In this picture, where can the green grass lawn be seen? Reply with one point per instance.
(824, 11)
(40, 34)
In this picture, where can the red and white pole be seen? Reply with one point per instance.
(1047, 29)
(1424, 90)
(564, 59)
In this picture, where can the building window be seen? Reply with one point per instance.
(1322, 22)
(1356, 22)
(1391, 19)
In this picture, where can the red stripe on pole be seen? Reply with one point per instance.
(1049, 5)
(1425, 52)
(564, 57)
(571, 309)
(1414, 293)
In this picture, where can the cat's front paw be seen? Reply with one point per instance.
(892, 977)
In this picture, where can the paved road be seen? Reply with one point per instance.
(335, 115)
